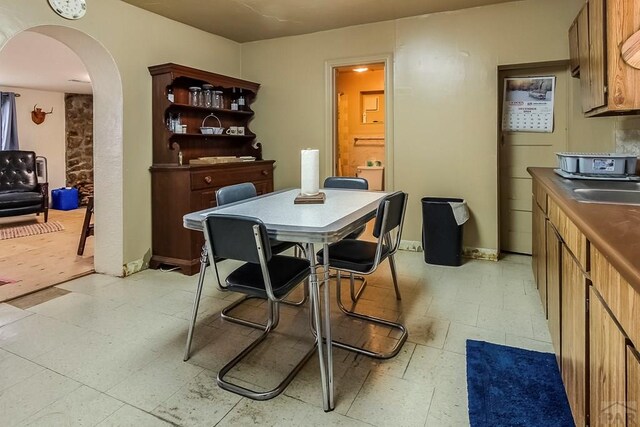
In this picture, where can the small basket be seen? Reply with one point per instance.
(206, 130)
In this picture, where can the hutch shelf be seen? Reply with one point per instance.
(178, 187)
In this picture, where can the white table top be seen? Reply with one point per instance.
(342, 212)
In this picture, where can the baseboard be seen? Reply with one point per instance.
(480, 253)
(467, 252)
(410, 245)
(137, 265)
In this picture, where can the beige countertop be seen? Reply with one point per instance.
(613, 229)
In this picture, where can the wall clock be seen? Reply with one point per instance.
(69, 9)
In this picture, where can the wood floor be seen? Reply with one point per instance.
(38, 262)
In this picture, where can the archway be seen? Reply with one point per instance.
(108, 143)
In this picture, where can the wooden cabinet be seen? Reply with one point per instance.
(608, 85)
(592, 313)
(572, 237)
(574, 49)
(180, 186)
(178, 190)
(618, 294)
(633, 387)
(607, 372)
(538, 249)
(597, 58)
(554, 288)
(583, 58)
(574, 366)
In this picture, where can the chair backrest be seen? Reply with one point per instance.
(396, 204)
(18, 171)
(234, 237)
(235, 193)
(347, 182)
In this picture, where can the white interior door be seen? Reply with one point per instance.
(519, 150)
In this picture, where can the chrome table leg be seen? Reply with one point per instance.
(204, 261)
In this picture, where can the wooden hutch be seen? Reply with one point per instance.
(178, 187)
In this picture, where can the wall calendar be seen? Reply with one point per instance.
(528, 104)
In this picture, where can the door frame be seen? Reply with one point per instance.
(499, 136)
(331, 124)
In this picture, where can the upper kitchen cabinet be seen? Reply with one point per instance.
(574, 49)
(609, 86)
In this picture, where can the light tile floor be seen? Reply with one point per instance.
(109, 353)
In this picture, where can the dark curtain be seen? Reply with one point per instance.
(8, 121)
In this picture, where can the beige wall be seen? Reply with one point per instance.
(445, 97)
(350, 84)
(444, 93)
(135, 39)
(46, 139)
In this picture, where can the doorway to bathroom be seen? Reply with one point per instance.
(360, 120)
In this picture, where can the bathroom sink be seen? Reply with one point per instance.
(617, 196)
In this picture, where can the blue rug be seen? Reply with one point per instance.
(514, 387)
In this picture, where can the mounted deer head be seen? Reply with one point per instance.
(38, 116)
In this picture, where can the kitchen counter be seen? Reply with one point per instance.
(613, 229)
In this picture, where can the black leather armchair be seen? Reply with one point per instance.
(20, 191)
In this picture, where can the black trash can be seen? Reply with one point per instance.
(441, 234)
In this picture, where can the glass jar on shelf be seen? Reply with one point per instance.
(207, 95)
(195, 96)
(218, 99)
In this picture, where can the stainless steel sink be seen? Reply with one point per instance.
(618, 196)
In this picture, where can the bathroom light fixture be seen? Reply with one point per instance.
(360, 69)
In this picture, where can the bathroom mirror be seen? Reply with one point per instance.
(372, 106)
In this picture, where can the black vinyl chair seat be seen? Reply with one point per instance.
(285, 272)
(354, 255)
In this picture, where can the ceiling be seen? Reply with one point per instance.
(249, 20)
(35, 61)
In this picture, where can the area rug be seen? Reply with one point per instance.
(514, 387)
(30, 230)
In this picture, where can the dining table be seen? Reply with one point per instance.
(342, 212)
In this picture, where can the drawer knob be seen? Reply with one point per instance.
(208, 179)
(264, 172)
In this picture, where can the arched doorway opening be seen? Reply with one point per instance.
(108, 143)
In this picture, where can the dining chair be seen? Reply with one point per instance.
(351, 183)
(362, 257)
(235, 193)
(226, 195)
(263, 274)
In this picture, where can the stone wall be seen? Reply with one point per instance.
(79, 152)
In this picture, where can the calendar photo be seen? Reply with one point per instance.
(528, 104)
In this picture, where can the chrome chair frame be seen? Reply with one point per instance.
(273, 318)
(245, 190)
(350, 183)
(383, 238)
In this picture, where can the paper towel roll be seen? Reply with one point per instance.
(309, 168)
